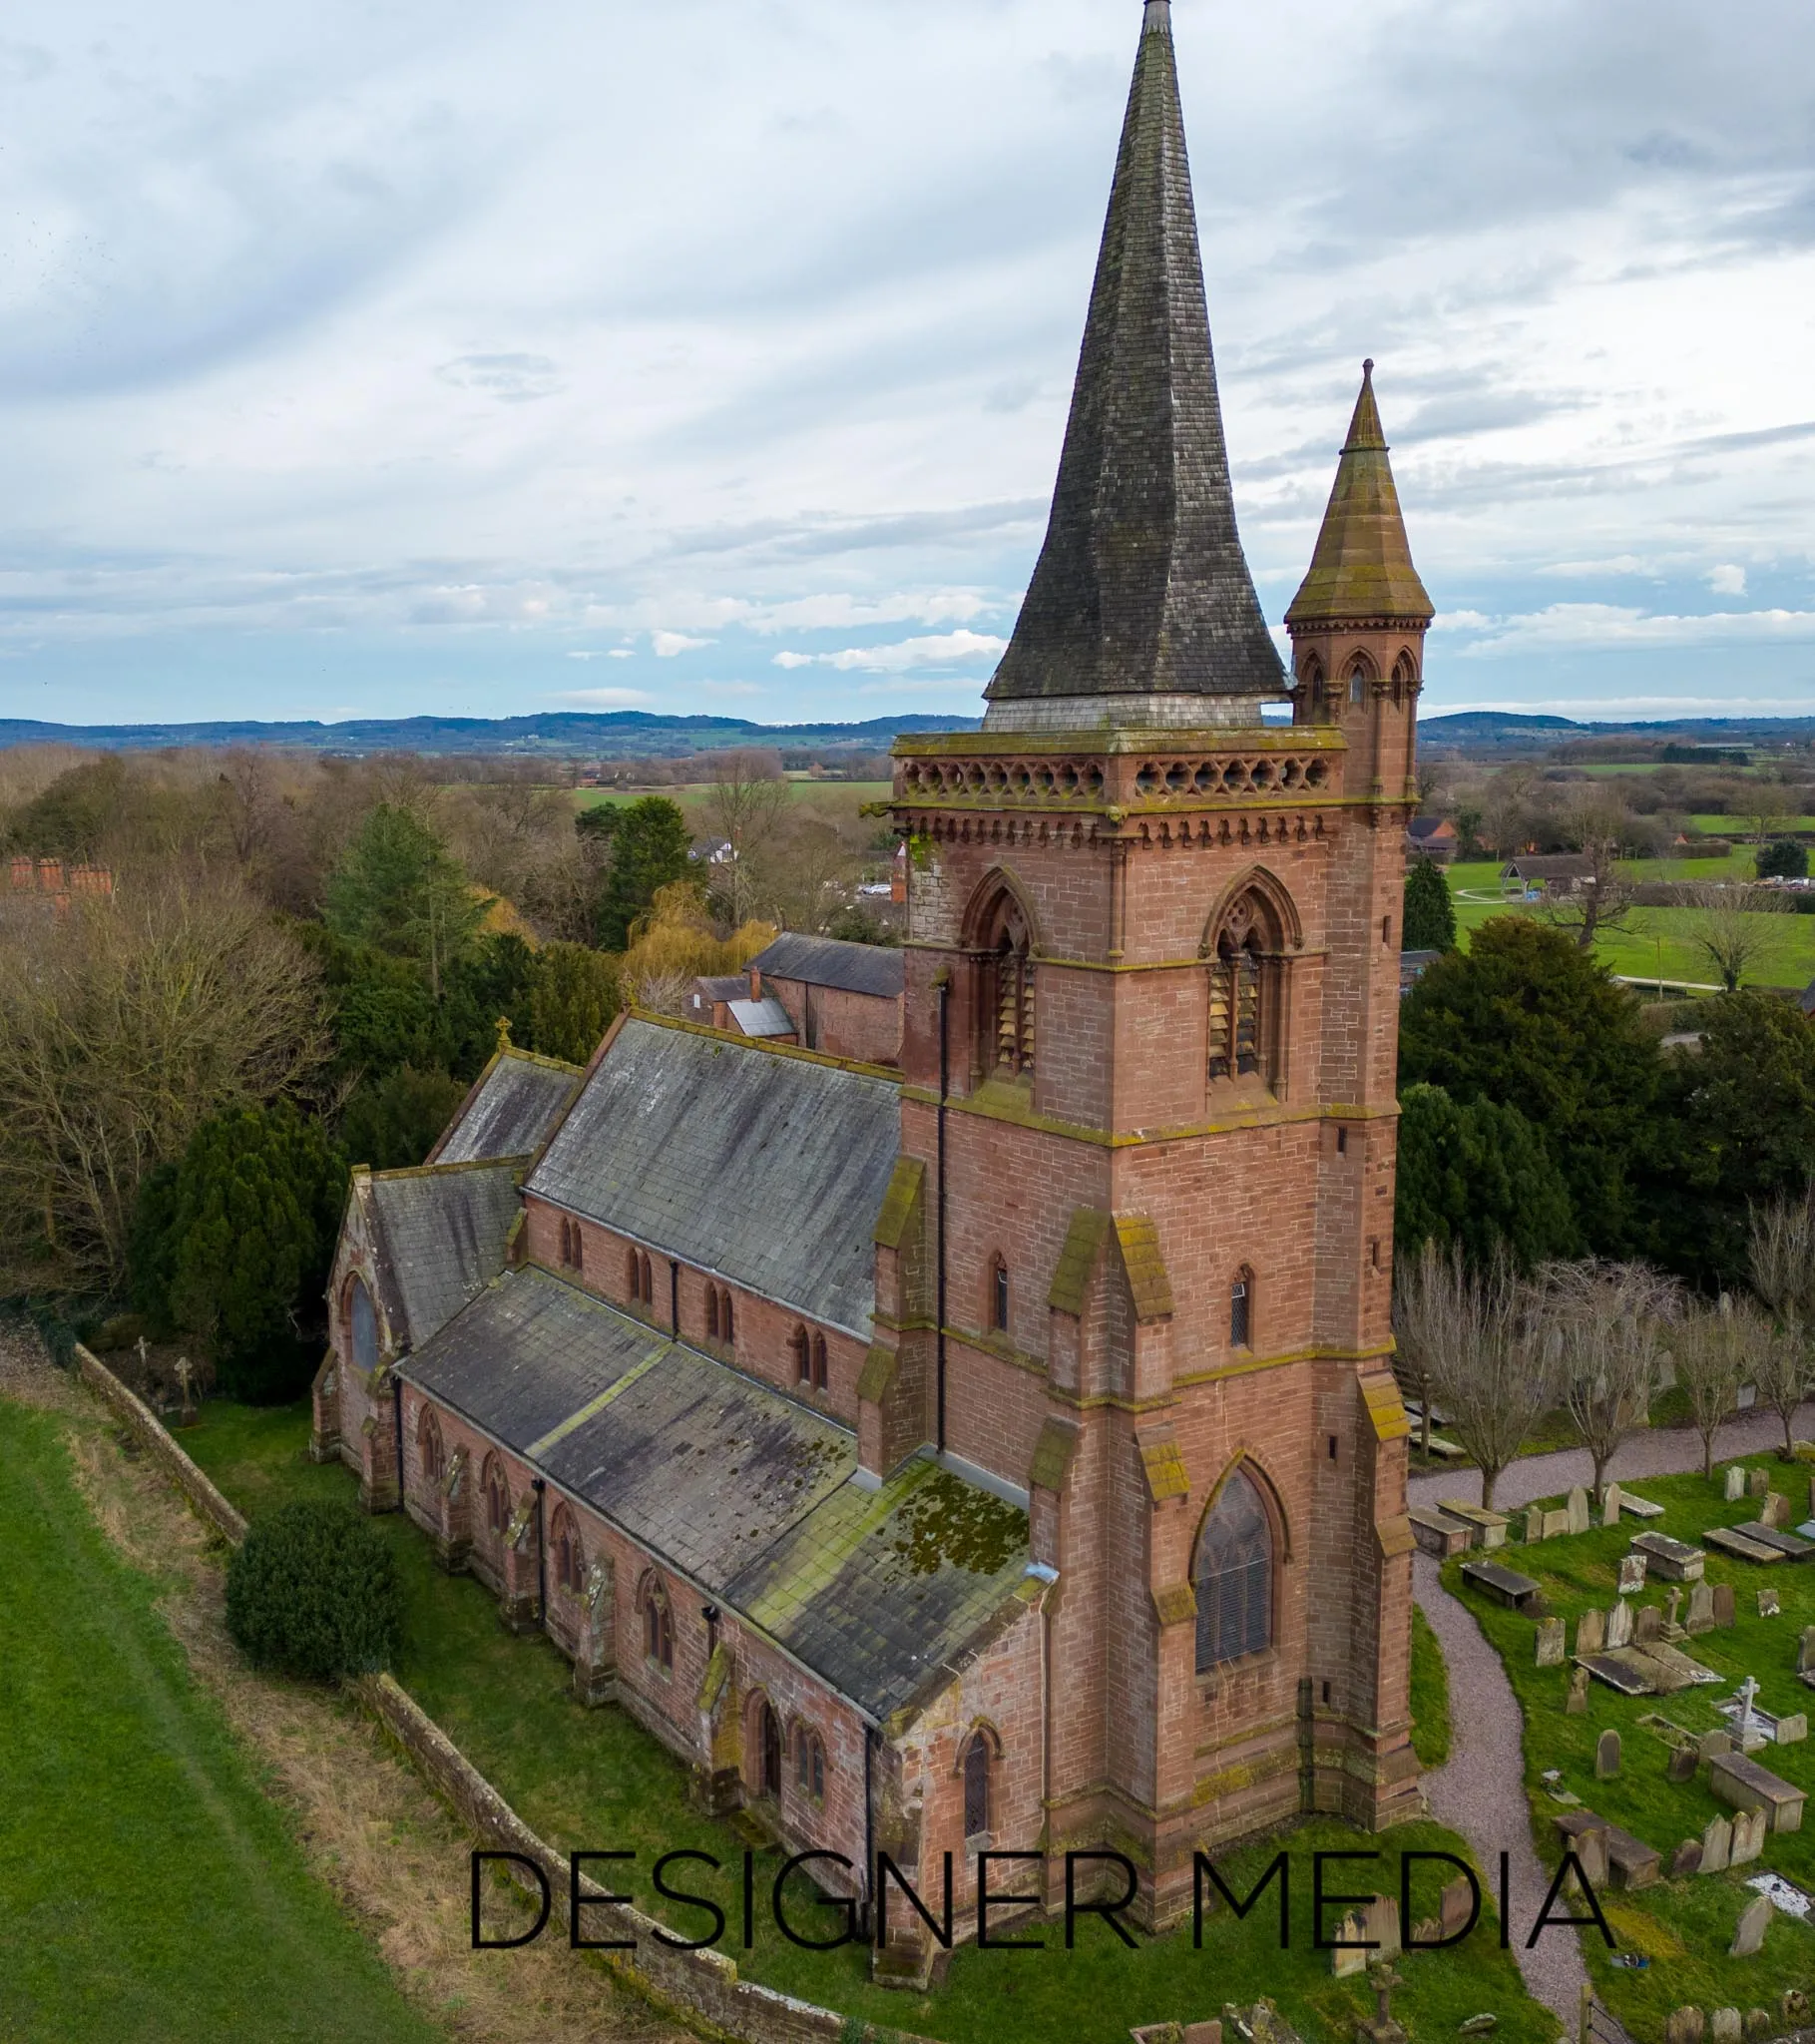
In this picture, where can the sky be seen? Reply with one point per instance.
(373, 357)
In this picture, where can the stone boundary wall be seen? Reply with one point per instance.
(703, 1988)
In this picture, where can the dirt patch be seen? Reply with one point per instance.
(392, 1854)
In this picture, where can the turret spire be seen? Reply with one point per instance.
(1142, 608)
(1362, 568)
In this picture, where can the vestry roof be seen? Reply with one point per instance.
(1141, 588)
(510, 1110)
(438, 1238)
(877, 969)
(1362, 567)
(764, 1166)
(744, 1490)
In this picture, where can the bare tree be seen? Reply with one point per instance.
(1730, 927)
(746, 804)
(1713, 1351)
(1598, 826)
(1468, 1337)
(1783, 1276)
(1606, 1326)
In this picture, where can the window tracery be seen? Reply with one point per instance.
(1234, 1576)
(1243, 992)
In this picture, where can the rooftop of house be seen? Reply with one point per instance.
(1560, 865)
(439, 1240)
(764, 1166)
(745, 1491)
(513, 1104)
(760, 1018)
(877, 969)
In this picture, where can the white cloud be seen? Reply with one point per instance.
(669, 644)
(1596, 627)
(906, 653)
(603, 698)
(1727, 580)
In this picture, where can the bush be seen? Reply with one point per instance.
(314, 1591)
(1784, 859)
(1430, 913)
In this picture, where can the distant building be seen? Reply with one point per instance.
(1553, 876)
(1413, 965)
(1432, 837)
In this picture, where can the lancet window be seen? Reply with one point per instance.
(1244, 993)
(1234, 1576)
(1008, 1007)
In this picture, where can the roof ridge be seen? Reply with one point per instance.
(763, 1044)
(512, 1163)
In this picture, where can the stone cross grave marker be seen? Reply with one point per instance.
(1747, 1728)
(1607, 1755)
(1578, 1509)
(1632, 1573)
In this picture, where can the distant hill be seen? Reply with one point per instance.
(1498, 730)
(613, 735)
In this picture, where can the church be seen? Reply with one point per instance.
(997, 1447)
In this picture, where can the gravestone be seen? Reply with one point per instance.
(1775, 1510)
(1736, 1483)
(1726, 2028)
(1769, 1604)
(1805, 1650)
(1578, 1703)
(1710, 1745)
(1348, 1956)
(1723, 1607)
(1687, 1859)
(1758, 2025)
(1672, 1630)
(1754, 1921)
(1748, 1837)
(1685, 2026)
(1758, 1481)
(1792, 1731)
(1577, 1510)
(1619, 1626)
(1556, 1525)
(1716, 1845)
(1699, 1618)
(1607, 1755)
(1592, 1633)
(1648, 1624)
(1631, 1573)
(1681, 1765)
(1457, 1906)
(1585, 1834)
(1534, 1524)
(1380, 1921)
(1550, 1642)
(1609, 1505)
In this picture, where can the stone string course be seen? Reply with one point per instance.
(703, 1988)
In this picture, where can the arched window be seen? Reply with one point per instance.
(570, 1559)
(803, 1356)
(809, 1762)
(1313, 681)
(1405, 678)
(1007, 1016)
(768, 1750)
(1358, 684)
(633, 1276)
(823, 1375)
(1234, 1576)
(726, 1331)
(658, 1626)
(1242, 1309)
(362, 1325)
(999, 1296)
(497, 1498)
(428, 1446)
(711, 1312)
(977, 1759)
(578, 1259)
(1244, 992)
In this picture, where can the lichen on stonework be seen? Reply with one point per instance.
(947, 1523)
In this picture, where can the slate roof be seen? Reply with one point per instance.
(746, 1492)
(439, 1237)
(876, 969)
(762, 1018)
(1142, 587)
(510, 1110)
(762, 1166)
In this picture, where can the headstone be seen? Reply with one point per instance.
(1578, 1703)
(1682, 1764)
(1736, 1483)
(1712, 1744)
(1672, 1630)
(1805, 1650)
(1748, 1837)
(1619, 1626)
(1758, 1481)
(1685, 2026)
(1607, 1755)
(1648, 1624)
(1585, 1834)
(1381, 1920)
(1592, 1633)
(1769, 1604)
(1631, 1573)
(1348, 1956)
(1577, 1510)
(1792, 1731)
(1556, 1525)
(1758, 2025)
(1609, 1505)
(1687, 1859)
(1550, 1642)
(1754, 1921)
(1775, 1510)
(1534, 1522)
(1456, 1907)
(1700, 1615)
(1725, 2027)
(1716, 1845)
(1723, 1607)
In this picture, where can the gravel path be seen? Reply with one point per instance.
(1480, 1790)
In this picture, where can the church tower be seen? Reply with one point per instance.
(1148, 1110)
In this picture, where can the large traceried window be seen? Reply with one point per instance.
(1234, 1576)
(1244, 993)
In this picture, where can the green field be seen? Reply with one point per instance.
(1656, 942)
(593, 1780)
(845, 794)
(148, 1889)
(1683, 1926)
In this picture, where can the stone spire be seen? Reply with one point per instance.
(1141, 609)
(1362, 568)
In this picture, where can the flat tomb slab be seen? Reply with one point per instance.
(1637, 1507)
(1633, 1861)
(1491, 1526)
(1505, 1586)
(1632, 1675)
(1732, 1540)
(1682, 1669)
(1675, 1560)
(1438, 1534)
(1746, 1785)
(1786, 1544)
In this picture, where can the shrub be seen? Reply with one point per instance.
(314, 1591)
(1784, 859)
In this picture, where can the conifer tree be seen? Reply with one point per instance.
(1430, 914)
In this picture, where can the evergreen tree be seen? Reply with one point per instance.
(650, 849)
(1478, 1175)
(1782, 859)
(1430, 913)
(394, 1122)
(398, 890)
(571, 1001)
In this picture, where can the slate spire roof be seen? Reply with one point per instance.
(1141, 589)
(1362, 567)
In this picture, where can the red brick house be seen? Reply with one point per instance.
(1002, 1448)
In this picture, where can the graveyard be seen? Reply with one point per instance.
(1657, 1660)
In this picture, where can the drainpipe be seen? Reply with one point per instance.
(944, 986)
(397, 1421)
(538, 1485)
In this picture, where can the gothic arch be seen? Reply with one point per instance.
(1235, 1571)
(1002, 935)
(1244, 1461)
(1288, 925)
(976, 930)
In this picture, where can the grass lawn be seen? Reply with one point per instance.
(1430, 1695)
(148, 1889)
(1683, 1926)
(592, 1778)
